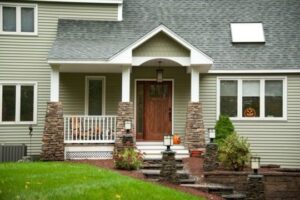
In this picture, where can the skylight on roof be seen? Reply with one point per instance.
(247, 32)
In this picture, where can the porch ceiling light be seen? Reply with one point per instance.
(168, 141)
(212, 134)
(255, 164)
(159, 73)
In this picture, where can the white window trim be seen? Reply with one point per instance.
(262, 80)
(18, 101)
(18, 18)
(87, 78)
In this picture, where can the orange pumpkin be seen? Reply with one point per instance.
(176, 139)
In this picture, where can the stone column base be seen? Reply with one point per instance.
(255, 187)
(168, 169)
(210, 158)
(125, 113)
(53, 137)
(194, 131)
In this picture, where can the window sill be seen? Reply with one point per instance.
(19, 33)
(254, 119)
(18, 123)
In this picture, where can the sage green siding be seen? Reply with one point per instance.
(277, 142)
(161, 45)
(24, 58)
(72, 92)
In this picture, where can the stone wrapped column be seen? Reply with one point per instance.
(53, 137)
(168, 168)
(255, 187)
(210, 158)
(194, 131)
(125, 113)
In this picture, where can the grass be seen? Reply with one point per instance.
(62, 180)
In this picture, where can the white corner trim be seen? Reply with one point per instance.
(262, 80)
(120, 12)
(86, 99)
(275, 71)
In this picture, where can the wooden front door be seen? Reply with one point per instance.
(157, 109)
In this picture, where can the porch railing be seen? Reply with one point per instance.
(90, 129)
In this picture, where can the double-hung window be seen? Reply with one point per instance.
(18, 104)
(252, 98)
(18, 19)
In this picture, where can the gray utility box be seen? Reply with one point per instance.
(12, 152)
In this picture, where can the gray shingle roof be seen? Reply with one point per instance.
(203, 23)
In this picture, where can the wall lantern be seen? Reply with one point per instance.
(168, 141)
(159, 73)
(212, 134)
(127, 126)
(255, 164)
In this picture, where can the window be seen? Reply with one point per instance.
(18, 19)
(18, 103)
(247, 32)
(95, 95)
(252, 98)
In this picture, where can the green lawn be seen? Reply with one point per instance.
(61, 180)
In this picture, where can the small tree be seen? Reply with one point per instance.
(224, 128)
(234, 152)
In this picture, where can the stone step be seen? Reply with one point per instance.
(158, 161)
(218, 189)
(234, 196)
(154, 173)
(158, 166)
(159, 156)
(159, 147)
(158, 152)
(190, 180)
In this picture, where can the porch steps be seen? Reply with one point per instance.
(214, 188)
(184, 176)
(159, 165)
(152, 150)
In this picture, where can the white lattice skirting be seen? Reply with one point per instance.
(86, 152)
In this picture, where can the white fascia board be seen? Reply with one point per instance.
(87, 1)
(273, 71)
(197, 57)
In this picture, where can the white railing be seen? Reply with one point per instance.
(90, 129)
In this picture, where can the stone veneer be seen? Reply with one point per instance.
(168, 168)
(255, 187)
(125, 113)
(53, 137)
(194, 131)
(210, 157)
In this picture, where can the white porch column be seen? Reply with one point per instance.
(195, 82)
(126, 83)
(54, 93)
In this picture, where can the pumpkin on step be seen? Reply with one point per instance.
(176, 139)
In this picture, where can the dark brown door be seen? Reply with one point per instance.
(157, 114)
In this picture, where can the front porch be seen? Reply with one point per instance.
(98, 97)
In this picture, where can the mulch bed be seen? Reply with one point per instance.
(193, 164)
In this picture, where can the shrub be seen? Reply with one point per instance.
(128, 159)
(224, 128)
(234, 152)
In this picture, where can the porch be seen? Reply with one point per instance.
(98, 97)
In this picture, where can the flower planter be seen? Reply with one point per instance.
(196, 153)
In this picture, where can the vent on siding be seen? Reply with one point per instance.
(12, 152)
(79, 155)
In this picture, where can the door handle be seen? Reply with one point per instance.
(170, 114)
